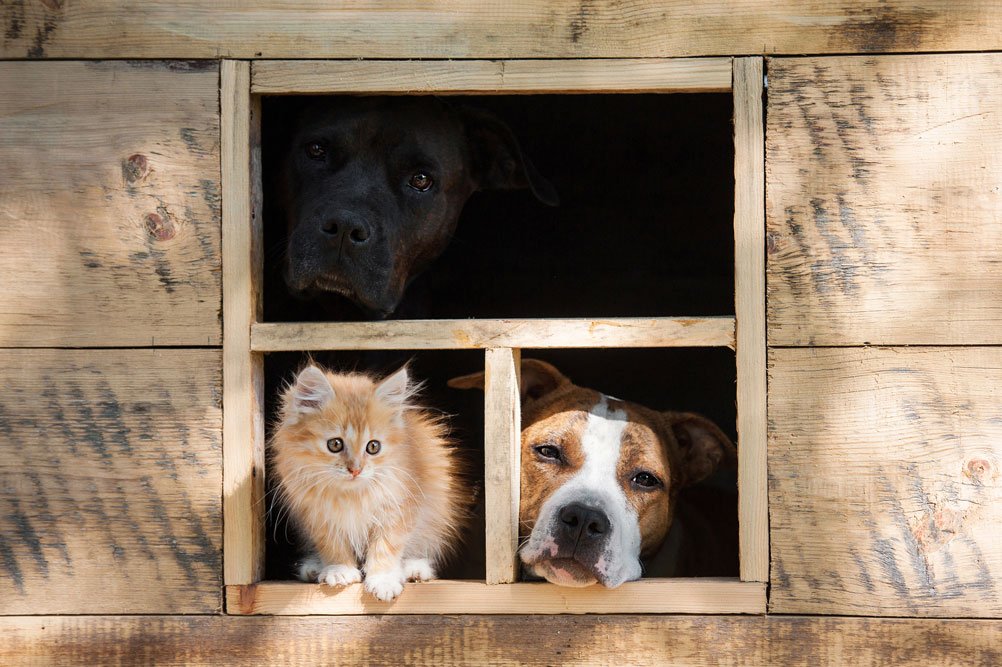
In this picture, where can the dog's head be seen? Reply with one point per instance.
(372, 189)
(600, 476)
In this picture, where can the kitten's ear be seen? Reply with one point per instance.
(395, 389)
(310, 392)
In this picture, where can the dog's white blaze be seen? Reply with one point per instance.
(596, 482)
(602, 443)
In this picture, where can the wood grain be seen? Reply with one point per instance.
(109, 481)
(243, 371)
(883, 182)
(502, 462)
(698, 641)
(749, 309)
(492, 76)
(513, 29)
(885, 492)
(651, 596)
(482, 334)
(109, 203)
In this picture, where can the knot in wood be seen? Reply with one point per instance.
(160, 227)
(135, 168)
(977, 469)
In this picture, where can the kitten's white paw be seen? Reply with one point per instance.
(385, 585)
(339, 575)
(309, 568)
(418, 569)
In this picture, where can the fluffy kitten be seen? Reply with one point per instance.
(368, 478)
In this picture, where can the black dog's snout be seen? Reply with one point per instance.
(582, 524)
(356, 230)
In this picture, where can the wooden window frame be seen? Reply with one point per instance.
(246, 339)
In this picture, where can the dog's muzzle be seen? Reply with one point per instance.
(577, 543)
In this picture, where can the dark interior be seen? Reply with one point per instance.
(644, 228)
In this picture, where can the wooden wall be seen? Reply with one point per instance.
(695, 641)
(491, 29)
(884, 224)
(883, 199)
(110, 464)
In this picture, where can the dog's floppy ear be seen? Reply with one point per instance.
(703, 447)
(537, 379)
(498, 161)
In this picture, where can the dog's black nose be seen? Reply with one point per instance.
(581, 523)
(355, 230)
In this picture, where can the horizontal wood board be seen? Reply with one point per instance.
(109, 203)
(885, 481)
(698, 641)
(884, 200)
(492, 76)
(110, 478)
(483, 334)
(514, 29)
(654, 596)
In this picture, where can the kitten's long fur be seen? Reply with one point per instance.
(396, 513)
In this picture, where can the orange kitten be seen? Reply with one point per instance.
(369, 479)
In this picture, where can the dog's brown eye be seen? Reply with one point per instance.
(420, 181)
(335, 445)
(373, 447)
(646, 480)
(547, 451)
(316, 150)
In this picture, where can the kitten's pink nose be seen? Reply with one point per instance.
(355, 472)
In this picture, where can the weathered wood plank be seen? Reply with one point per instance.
(243, 371)
(109, 203)
(492, 77)
(749, 309)
(482, 334)
(502, 640)
(109, 481)
(652, 596)
(502, 462)
(884, 478)
(883, 200)
(514, 29)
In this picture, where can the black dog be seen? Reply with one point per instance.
(372, 189)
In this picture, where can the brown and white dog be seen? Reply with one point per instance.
(600, 476)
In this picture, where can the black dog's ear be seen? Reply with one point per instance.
(498, 161)
(703, 447)
(537, 378)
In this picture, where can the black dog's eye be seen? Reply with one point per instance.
(373, 447)
(336, 445)
(421, 182)
(547, 452)
(316, 150)
(646, 480)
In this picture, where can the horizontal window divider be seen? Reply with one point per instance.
(480, 77)
(494, 333)
(647, 596)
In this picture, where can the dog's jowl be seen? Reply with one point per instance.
(372, 189)
(600, 477)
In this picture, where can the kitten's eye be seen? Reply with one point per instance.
(646, 480)
(336, 445)
(421, 182)
(316, 150)
(547, 452)
(373, 447)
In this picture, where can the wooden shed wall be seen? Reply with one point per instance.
(883, 209)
